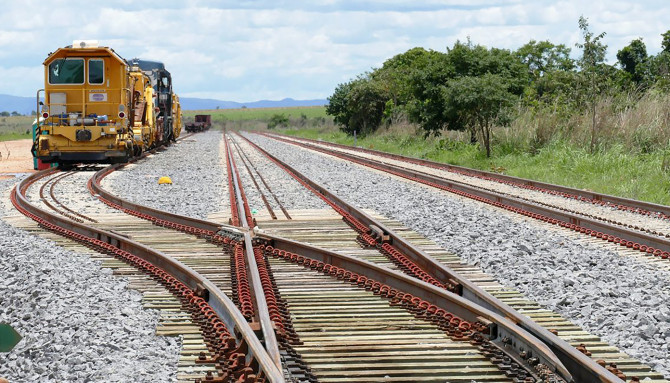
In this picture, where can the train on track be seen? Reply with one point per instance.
(100, 108)
(200, 122)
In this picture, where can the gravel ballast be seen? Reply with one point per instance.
(289, 192)
(197, 168)
(78, 321)
(617, 298)
(651, 223)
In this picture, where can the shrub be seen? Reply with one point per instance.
(278, 120)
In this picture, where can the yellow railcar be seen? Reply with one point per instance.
(98, 108)
(142, 114)
(177, 117)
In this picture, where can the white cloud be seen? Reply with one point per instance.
(251, 50)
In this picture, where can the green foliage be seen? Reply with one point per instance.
(338, 104)
(593, 69)
(593, 50)
(278, 120)
(431, 106)
(358, 106)
(4, 114)
(631, 56)
(470, 89)
(543, 57)
(479, 102)
(655, 71)
(396, 74)
(666, 41)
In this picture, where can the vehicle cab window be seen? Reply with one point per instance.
(66, 71)
(96, 71)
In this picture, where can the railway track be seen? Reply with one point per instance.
(219, 342)
(598, 350)
(379, 309)
(635, 225)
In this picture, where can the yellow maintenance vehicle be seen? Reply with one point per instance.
(98, 108)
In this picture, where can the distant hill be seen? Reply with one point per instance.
(188, 103)
(22, 105)
(25, 105)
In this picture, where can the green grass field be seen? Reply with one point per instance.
(15, 127)
(249, 114)
(616, 171)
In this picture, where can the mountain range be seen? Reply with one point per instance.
(26, 105)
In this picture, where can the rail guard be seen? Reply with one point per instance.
(648, 206)
(218, 301)
(583, 368)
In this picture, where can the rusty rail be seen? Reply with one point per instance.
(269, 335)
(650, 244)
(179, 278)
(94, 185)
(503, 331)
(538, 185)
(578, 365)
(582, 367)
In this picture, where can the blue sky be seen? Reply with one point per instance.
(252, 50)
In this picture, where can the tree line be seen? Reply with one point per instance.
(473, 88)
(15, 113)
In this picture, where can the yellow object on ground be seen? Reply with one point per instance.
(164, 180)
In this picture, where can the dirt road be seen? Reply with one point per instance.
(15, 157)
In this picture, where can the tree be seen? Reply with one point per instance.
(592, 65)
(366, 101)
(431, 106)
(15, 113)
(631, 56)
(550, 69)
(666, 41)
(480, 102)
(655, 71)
(4, 114)
(542, 57)
(276, 120)
(426, 85)
(395, 77)
(338, 104)
(358, 105)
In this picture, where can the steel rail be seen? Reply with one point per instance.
(44, 200)
(219, 302)
(52, 193)
(644, 205)
(574, 364)
(613, 233)
(505, 328)
(95, 184)
(582, 367)
(249, 165)
(269, 336)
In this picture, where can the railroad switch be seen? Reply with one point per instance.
(233, 234)
(378, 234)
